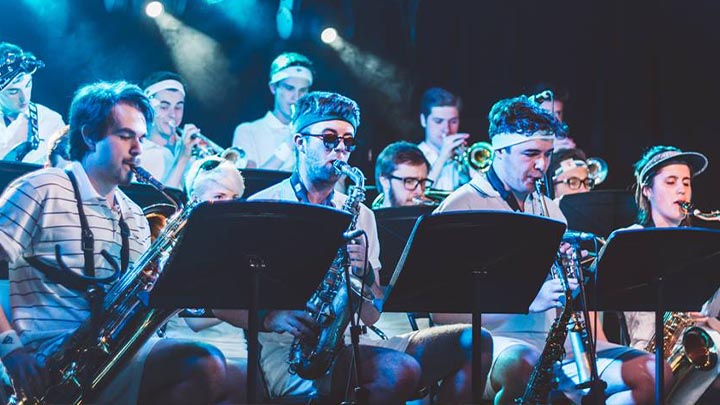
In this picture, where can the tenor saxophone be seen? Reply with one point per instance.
(89, 358)
(311, 358)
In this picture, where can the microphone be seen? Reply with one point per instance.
(577, 236)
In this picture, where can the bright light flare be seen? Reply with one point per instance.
(154, 9)
(329, 35)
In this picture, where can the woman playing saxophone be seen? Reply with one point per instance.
(663, 193)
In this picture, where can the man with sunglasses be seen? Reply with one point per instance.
(392, 369)
(25, 126)
(401, 174)
(268, 141)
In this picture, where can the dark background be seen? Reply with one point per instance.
(639, 73)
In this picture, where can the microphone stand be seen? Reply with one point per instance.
(361, 393)
(596, 394)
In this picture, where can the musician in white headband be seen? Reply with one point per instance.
(167, 150)
(268, 141)
(569, 172)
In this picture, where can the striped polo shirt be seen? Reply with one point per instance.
(39, 212)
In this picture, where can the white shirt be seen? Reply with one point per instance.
(16, 133)
(479, 195)
(451, 176)
(260, 139)
(156, 159)
(37, 212)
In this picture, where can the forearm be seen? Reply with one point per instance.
(489, 321)
(198, 324)
(235, 317)
(4, 323)
(174, 176)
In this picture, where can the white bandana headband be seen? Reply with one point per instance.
(507, 139)
(300, 72)
(567, 165)
(169, 84)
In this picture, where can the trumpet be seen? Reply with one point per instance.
(690, 209)
(478, 156)
(597, 169)
(209, 148)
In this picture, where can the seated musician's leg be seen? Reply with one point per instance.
(389, 376)
(183, 372)
(445, 355)
(236, 382)
(513, 362)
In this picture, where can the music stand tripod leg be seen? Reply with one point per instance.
(257, 265)
(659, 346)
(361, 393)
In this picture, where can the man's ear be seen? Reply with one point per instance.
(423, 121)
(86, 138)
(299, 141)
(273, 88)
(385, 183)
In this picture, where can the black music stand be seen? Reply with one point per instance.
(489, 261)
(394, 227)
(255, 255)
(658, 269)
(599, 212)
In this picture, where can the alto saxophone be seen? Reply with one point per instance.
(89, 358)
(329, 304)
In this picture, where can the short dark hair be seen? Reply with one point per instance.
(326, 104)
(438, 97)
(562, 155)
(91, 109)
(394, 154)
(159, 76)
(522, 116)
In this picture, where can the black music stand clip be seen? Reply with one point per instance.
(658, 269)
(473, 262)
(257, 255)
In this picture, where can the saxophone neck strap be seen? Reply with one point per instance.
(302, 194)
(498, 186)
(18, 153)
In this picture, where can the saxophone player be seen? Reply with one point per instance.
(325, 126)
(663, 177)
(46, 217)
(522, 135)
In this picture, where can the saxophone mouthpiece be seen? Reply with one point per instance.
(687, 206)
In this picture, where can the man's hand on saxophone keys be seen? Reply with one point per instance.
(29, 377)
(297, 323)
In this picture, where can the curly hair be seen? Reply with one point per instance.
(521, 116)
(321, 104)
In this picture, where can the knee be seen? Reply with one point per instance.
(407, 371)
(515, 364)
(207, 365)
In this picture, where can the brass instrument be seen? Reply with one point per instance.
(597, 169)
(328, 306)
(705, 216)
(431, 197)
(89, 358)
(210, 148)
(477, 157)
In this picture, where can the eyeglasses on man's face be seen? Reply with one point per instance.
(412, 183)
(331, 140)
(574, 183)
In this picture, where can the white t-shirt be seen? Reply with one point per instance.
(260, 139)
(479, 195)
(157, 160)
(37, 212)
(16, 133)
(451, 176)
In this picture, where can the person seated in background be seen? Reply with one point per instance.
(401, 175)
(568, 172)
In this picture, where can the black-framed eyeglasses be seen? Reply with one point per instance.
(574, 183)
(412, 183)
(331, 140)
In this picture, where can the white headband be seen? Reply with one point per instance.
(169, 84)
(301, 72)
(567, 165)
(507, 139)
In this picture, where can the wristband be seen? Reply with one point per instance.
(9, 341)
(283, 152)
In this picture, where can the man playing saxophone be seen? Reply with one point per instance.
(325, 126)
(663, 183)
(60, 224)
(522, 135)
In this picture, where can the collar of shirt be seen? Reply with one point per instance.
(302, 194)
(4, 119)
(274, 123)
(431, 154)
(88, 192)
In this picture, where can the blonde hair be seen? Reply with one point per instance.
(205, 172)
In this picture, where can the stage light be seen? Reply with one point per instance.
(329, 35)
(154, 9)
